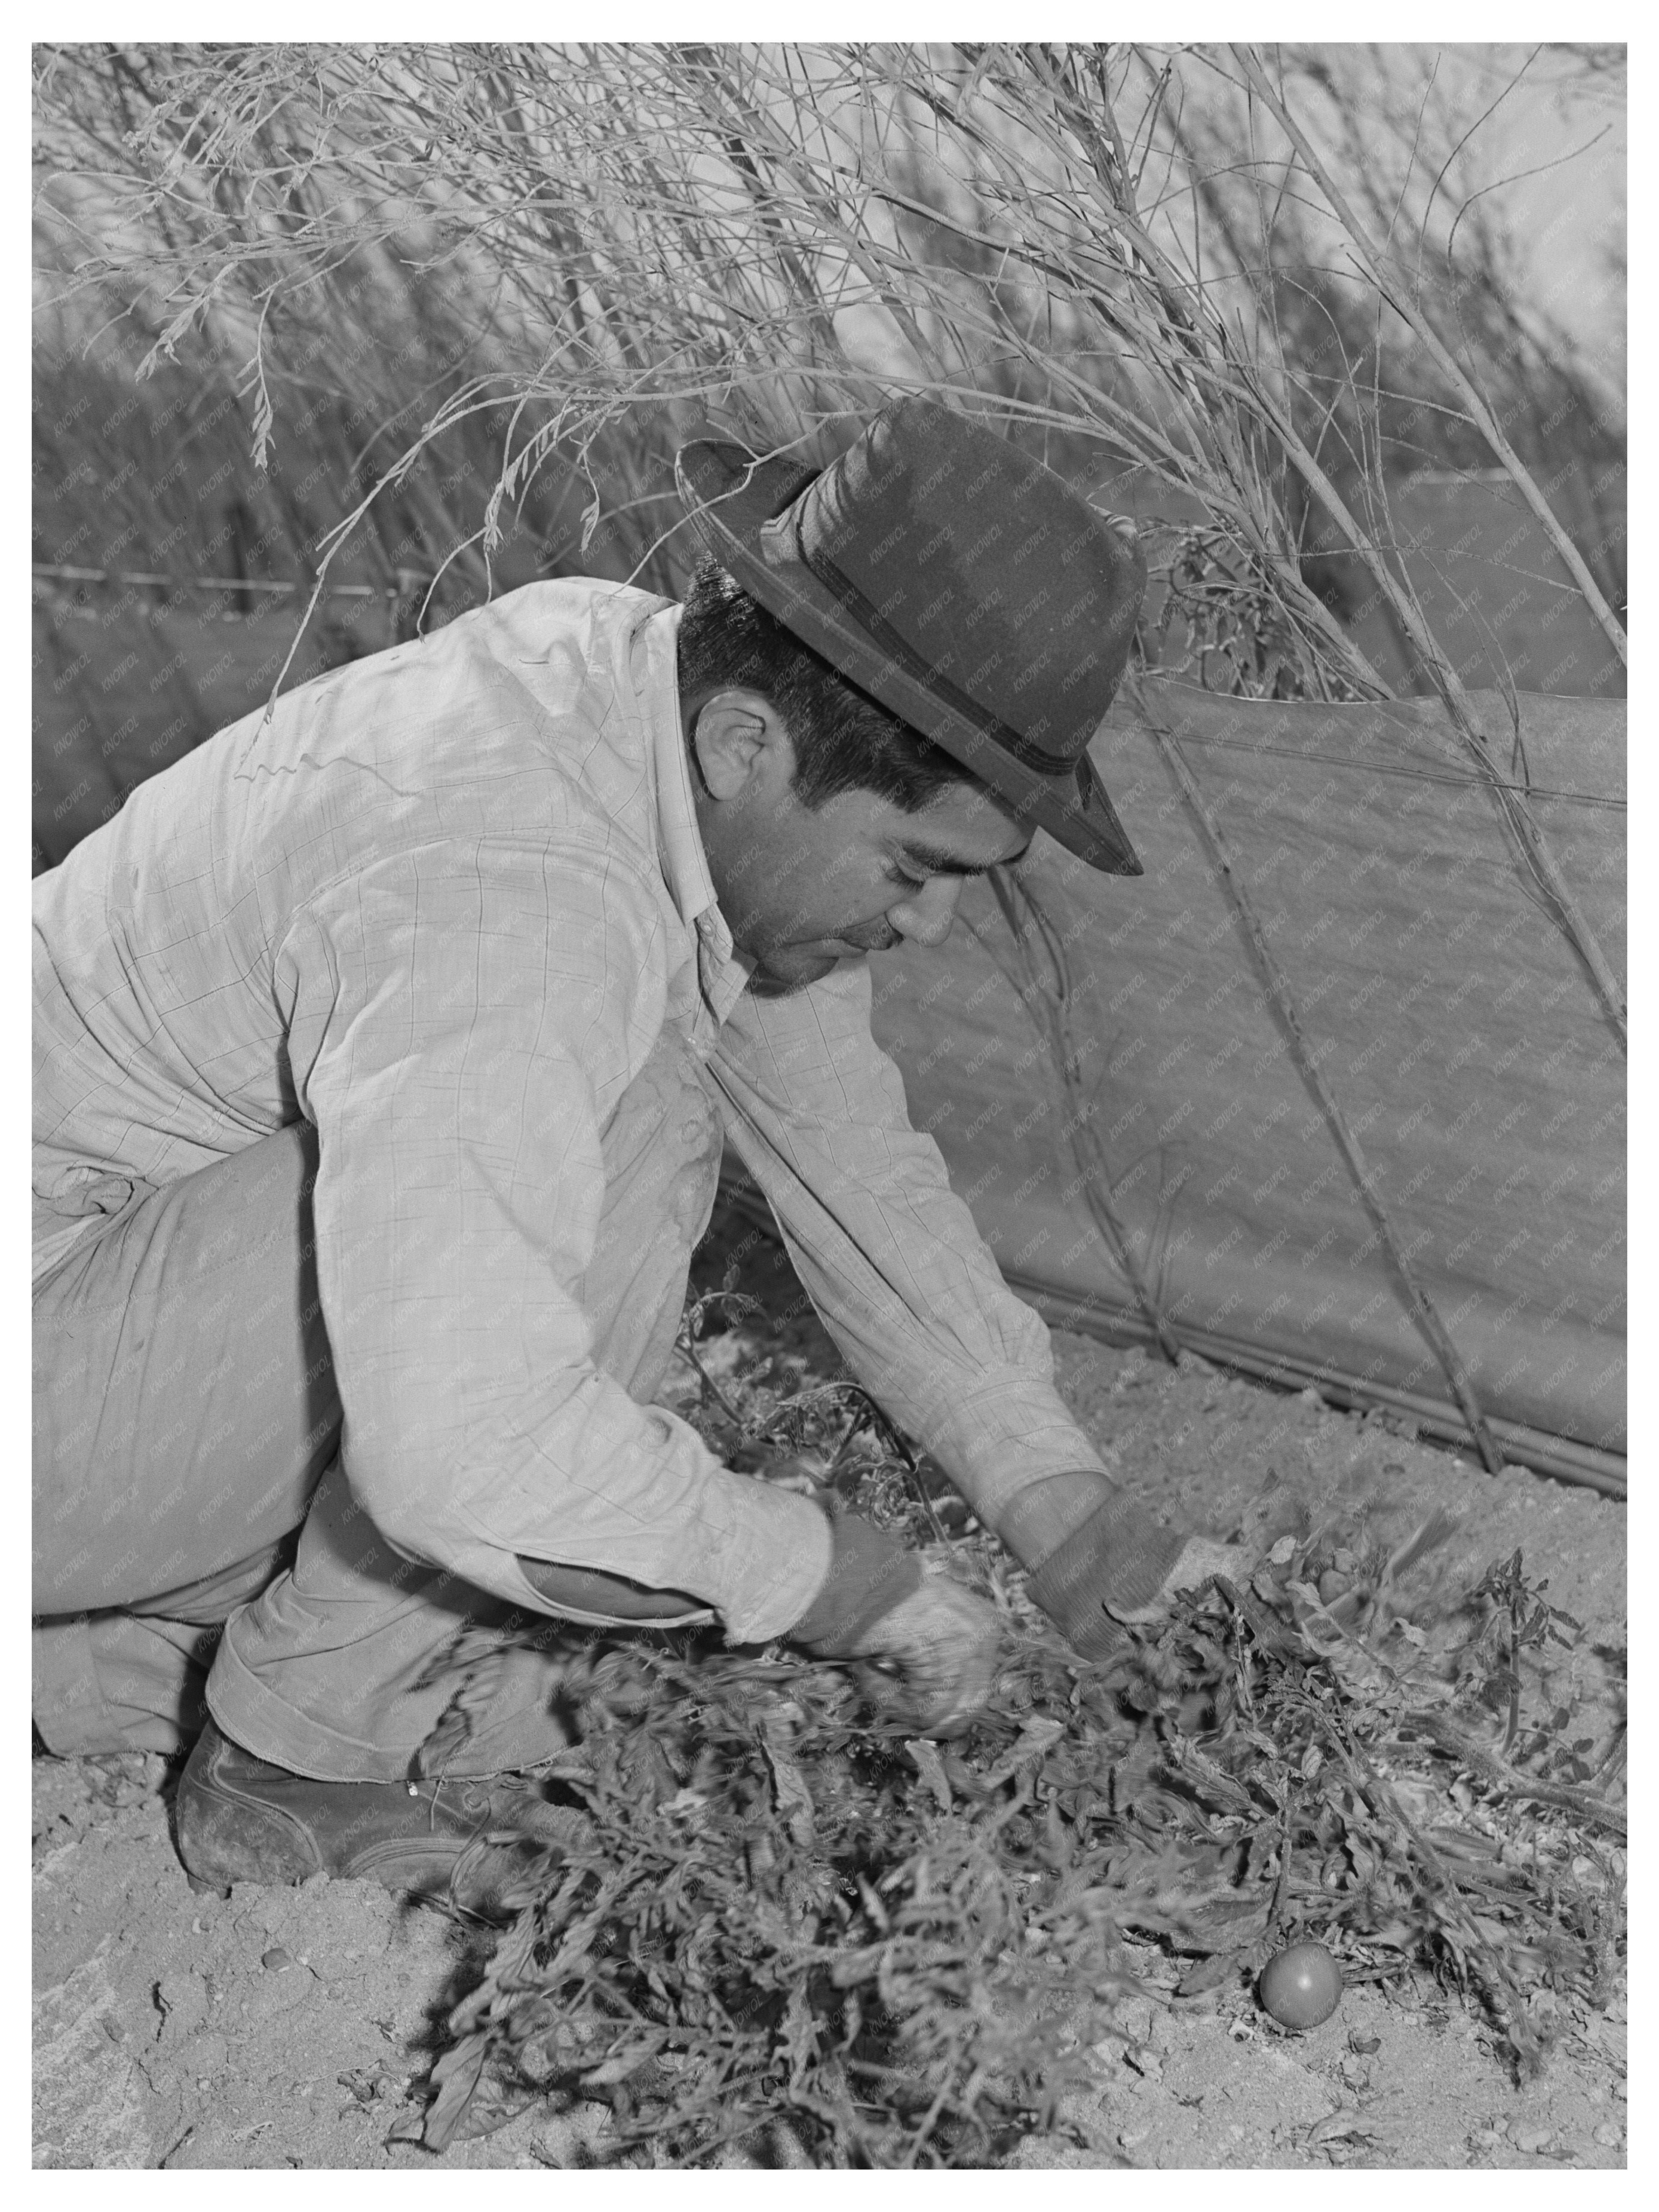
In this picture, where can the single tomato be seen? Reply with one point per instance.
(1301, 1986)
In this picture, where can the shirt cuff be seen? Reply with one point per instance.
(776, 1559)
(995, 1441)
(759, 1554)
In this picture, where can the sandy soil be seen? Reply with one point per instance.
(295, 2027)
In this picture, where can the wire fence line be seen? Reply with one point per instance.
(406, 584)
(411, 581)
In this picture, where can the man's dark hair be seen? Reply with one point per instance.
(843, 741)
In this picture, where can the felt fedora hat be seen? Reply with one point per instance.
(962, 585)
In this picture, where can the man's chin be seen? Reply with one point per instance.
(776, 974)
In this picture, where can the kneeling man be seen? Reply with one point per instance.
(385, 1049)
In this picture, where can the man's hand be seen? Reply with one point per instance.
(929, 1647)
(1101, 1564)
(1200, 1558)
(941, 1645)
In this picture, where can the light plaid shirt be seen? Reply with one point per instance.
(442, 904)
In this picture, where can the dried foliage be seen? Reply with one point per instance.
(1136, 257)
(779, 1926)
(635, 238)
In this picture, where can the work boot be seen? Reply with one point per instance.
(467, 1844)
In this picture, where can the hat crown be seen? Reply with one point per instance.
(981, 564)
(960, 583)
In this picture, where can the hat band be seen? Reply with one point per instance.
(898, 649)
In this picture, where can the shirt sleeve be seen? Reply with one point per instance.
(463, 1019)
(889, 1256)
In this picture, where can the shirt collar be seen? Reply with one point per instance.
(679, 841)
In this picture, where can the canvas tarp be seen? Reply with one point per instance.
(1455, 1027)
(1459, 1035)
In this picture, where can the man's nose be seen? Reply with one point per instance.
(926, 917)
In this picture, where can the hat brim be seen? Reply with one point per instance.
(729, 496)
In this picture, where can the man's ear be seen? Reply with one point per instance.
(740, 743)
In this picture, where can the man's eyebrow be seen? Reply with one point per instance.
(920, 854)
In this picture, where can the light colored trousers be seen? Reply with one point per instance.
(196, 1546)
